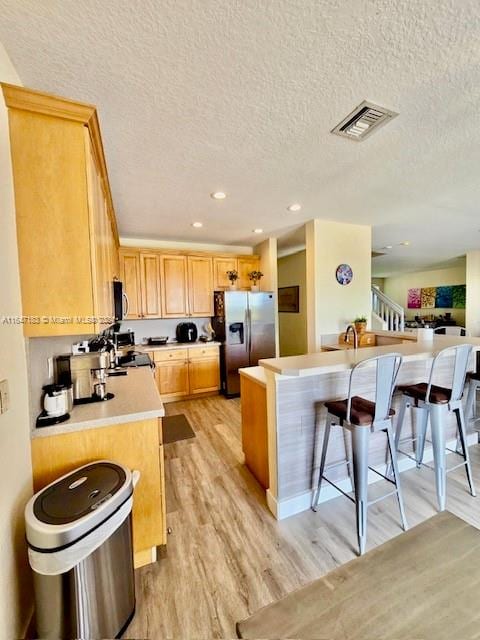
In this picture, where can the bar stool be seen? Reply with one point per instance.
(432, 401)
(362, 417)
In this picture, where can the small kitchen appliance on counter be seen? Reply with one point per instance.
(122, 339)
(57, 403)
(157, 341)
(186, 332)
(87, 373)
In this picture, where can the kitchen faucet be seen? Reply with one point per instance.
(355, 335)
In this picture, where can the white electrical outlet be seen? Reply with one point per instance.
(4, 396)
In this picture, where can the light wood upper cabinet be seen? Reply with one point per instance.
(104, 251)
(130, 277)
(200, 286)
(184, 283)
(63, 205)
(220, 268)
(150, 285)
(245, 266)
(173, 273)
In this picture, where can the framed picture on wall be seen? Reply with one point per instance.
(289, 299)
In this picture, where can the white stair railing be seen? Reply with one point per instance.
(392, 313)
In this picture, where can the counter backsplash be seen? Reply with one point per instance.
(151, 328)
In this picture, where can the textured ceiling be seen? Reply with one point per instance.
(200, 95)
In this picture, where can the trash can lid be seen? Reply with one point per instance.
(73, 505)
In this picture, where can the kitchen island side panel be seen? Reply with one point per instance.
(301, 416)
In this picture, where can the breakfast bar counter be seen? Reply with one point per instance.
(295, 390)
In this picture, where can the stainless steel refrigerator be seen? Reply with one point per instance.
(244, 322)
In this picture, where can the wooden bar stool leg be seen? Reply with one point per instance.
(326, 437)
(360, 442)
(421, 434)
(439, 444)
(396, 475)
(463, 439)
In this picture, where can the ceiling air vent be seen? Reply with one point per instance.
(363, 120)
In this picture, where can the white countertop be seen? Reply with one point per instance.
(333, 361)
(136, 398)
(257, 374)
(175, 345)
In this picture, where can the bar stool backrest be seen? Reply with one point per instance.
(387, 368)
(457, 374)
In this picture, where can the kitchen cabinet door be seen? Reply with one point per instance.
(245, 266)
(100, 232)
(172, 379)
(200, 287)
(130, 277)
(204, 374)
(220, 268)
(173, 273)
(150, 285)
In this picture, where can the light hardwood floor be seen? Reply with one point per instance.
(227, 555)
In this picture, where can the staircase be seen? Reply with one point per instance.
(389, 312)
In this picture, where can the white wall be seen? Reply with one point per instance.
(292, 271)
(331, 306)
(397, 288)
(15, 590)
(472, 321)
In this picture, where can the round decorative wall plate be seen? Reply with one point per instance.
(344, 274)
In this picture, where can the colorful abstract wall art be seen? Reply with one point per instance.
(444, 298)
(428, 297)
(459, 296)
(414, 298)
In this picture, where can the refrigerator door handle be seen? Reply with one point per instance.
(247, 332)
(249, 314)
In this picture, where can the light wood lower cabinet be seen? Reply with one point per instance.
(172, 379)
(254, 428)
(137, 445)
(204, 375)
(181, 373)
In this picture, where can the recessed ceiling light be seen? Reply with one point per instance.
(197, 225)
(218, 195)
(388, 246)
(258, 231)
(405, 243)
(294, 207)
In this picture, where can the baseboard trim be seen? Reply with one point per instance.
(282, 509)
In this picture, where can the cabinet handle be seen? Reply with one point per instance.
(127, 304)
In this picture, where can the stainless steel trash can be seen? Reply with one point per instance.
(79, 535)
